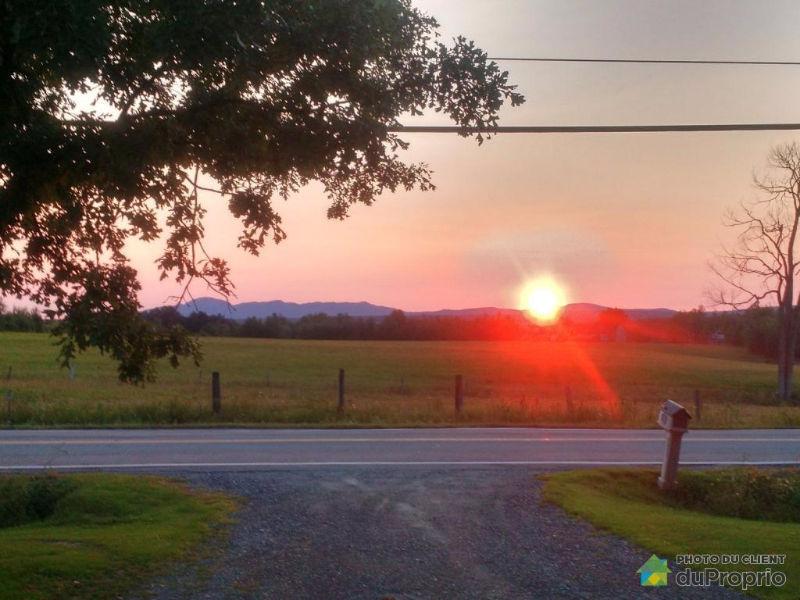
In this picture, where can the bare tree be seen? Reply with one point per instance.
(761, 268)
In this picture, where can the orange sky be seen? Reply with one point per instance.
(624, 220)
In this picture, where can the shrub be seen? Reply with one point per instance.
(762, 494)
(26, 499)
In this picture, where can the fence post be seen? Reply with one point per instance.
(9, 396)
(698, 405)
(341, 405)
(216, 393)
(459, 393)
(568, 397)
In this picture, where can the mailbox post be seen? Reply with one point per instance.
(674, 419)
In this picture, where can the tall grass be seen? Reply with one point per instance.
(294, 382)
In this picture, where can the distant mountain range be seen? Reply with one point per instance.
(580, 312)
(584, 311)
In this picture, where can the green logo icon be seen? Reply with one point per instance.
(654, 572)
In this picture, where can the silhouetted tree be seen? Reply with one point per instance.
(20, 319)
(165, 316)
(395, 326)
(609, 321)
(762, 267)
(260, 96)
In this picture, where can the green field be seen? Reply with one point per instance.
(97, 535)
(732, 511)
(294, 382)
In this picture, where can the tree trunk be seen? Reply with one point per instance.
(784, 378)
(782, 343)
(785, 359)
(791, 353)
(788, 322)
(787, 377)
(785, 374)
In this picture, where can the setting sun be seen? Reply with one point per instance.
(543, 300)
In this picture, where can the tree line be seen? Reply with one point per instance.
(21, 319)
(755, 329)
(395, 326)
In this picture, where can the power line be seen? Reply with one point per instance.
(646, 61)
(617, 128)
(599, 128)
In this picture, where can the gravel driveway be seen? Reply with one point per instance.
(403, 533)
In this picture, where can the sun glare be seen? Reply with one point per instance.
(543, 299)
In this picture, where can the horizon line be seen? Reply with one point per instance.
(434, 310)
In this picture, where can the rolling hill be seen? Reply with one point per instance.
(578, 312)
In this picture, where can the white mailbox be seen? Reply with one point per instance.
(675, 420)
(673, 417)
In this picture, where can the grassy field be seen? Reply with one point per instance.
(294, 382)
(96, 535)
(627, 502)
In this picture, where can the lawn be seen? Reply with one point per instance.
(97, 535)
(294, 382)
(715, 512)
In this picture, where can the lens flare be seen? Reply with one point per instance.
(543, 299)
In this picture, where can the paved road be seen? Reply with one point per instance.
(222, 449)
(396, 514)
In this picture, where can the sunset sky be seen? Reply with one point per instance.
(626, 220)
